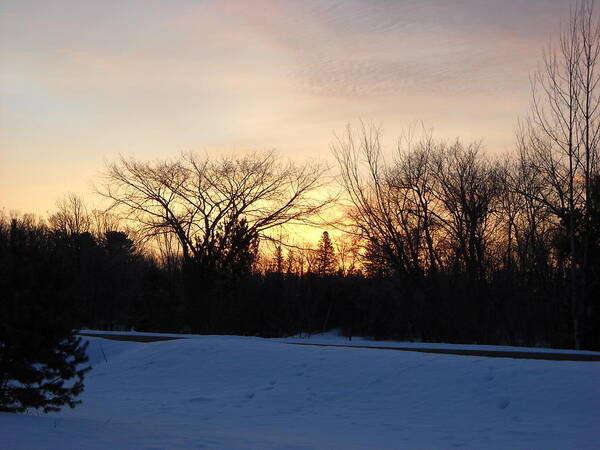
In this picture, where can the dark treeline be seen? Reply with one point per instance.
(477, 250)
(444, 245)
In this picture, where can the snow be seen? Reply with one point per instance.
(334, 337)
(229, 392)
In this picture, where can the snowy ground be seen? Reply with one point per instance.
(235, 393)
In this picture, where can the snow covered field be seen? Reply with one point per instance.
(227, 392)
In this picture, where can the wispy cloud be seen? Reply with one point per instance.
(95, 78)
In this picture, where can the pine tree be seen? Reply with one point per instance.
(278, 263)
(236, 250)
(325, 256)
(40, 356)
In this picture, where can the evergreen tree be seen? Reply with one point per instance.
(40, 355)
(278, 263)
(238, 249)
(325, 256)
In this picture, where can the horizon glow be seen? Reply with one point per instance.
(82, 81)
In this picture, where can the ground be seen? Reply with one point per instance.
(228, 392)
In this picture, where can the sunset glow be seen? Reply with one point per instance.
(81, 82)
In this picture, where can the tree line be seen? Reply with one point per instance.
(441, 243)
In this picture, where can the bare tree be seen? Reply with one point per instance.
(72, 216)
(562, 137)
(412, 178)
(433, 198)
(467, 185)
(207, 202)
(101, 222)
(375, 204)
(348, 252)
(534, 220)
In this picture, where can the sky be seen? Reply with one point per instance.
(84, 81)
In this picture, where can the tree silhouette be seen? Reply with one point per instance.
(325, 256)
(40, 356)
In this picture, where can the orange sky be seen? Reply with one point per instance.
(82, 81)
